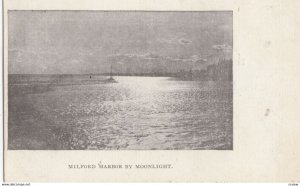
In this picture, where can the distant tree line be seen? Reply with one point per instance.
(222, 71)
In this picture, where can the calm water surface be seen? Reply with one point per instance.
(135, 113)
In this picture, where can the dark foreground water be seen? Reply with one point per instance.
(76, 112)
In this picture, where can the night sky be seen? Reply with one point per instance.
(68, 42)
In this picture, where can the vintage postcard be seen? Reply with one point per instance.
(119, 80)
(106, 91)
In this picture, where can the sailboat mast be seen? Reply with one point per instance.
(111, 70)
(111, 79)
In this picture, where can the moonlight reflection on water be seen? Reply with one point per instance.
(135, 113)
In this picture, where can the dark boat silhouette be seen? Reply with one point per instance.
(111, 79)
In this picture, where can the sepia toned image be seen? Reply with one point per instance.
(120, 80)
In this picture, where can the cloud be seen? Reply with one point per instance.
(152, 56)
(120, 58)
(130, 55)
(175, 40)
(225, 48)
(184, 41)
(31, 51)
(167, 41)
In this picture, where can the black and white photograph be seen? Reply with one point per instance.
(120, 80)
